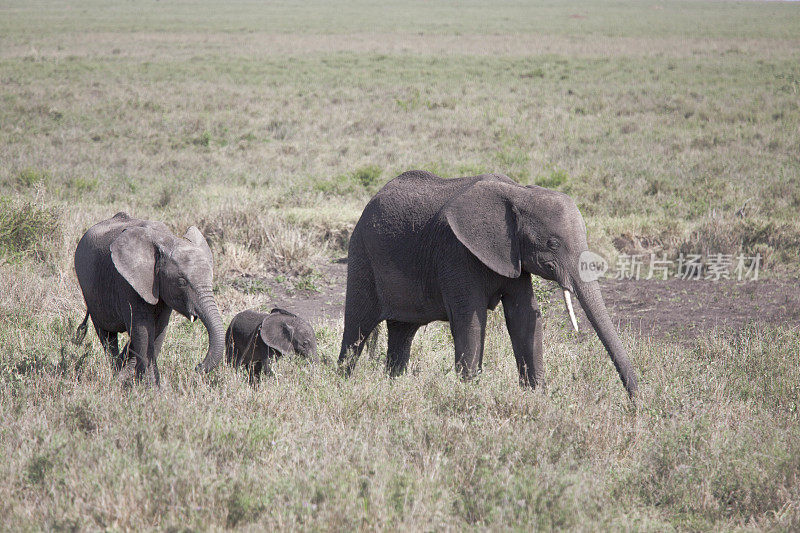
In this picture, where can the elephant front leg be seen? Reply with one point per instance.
(254, 370)
(140, 350)
(468, 329)
(152, 375)
(524, 323)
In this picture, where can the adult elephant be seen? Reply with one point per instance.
(133, 273)
(427, 248)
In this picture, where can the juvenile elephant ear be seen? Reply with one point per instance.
(134, 254)
(277, 334)
(484, 219)
(194, 236)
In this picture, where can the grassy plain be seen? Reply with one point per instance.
(674, 125)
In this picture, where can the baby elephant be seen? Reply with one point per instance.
(255, 339)
(133, 273)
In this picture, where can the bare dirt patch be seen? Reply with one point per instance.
(675, 308)
(682, 308)
(325, 303)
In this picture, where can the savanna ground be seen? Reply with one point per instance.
(674, 125)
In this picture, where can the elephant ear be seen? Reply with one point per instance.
(277, 334)
(134, 254)
(194, 236)
(484, 219)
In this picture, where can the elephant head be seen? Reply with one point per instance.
(513, 229)
(285, 332)
(178, 272)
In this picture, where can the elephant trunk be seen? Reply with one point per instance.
(209, 315)
(592, 302)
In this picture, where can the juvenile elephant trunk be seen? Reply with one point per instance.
(209, 315)
(592, 302)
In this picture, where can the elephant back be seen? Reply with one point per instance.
(240, 335)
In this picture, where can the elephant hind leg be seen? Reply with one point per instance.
(353, 341)
(362, 314)
(110, 346)
(401, 334)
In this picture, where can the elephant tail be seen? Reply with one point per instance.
(80, 333)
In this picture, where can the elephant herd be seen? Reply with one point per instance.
(424, 249)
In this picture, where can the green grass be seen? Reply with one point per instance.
(674, 125)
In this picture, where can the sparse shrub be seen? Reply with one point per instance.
(409, 102)
(777, 243)
(554, 180)
(30, 177)
(249, 285)
(204, 139)
(470, 170)
(341, 185)
(25, 228)
(368, 176)
(38, 468)
(167, 195)
(364, 178)
(535, 73)
(307, 282)
(279, 130)
(279, 245)
(81, 185)
(287, 249)
(243, 507)
(83, 417)
(25, 364)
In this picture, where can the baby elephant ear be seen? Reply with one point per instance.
(277, 333)
(194, 236)
(484, 219)
(134, 255)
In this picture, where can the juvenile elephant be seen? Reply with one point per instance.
(427, 249)
(255, 339)
(133, 273)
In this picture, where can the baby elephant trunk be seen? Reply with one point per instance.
(209, 315)
(313, 356)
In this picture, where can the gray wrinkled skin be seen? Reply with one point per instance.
(427, 249)
(255, 339)
(133, 273)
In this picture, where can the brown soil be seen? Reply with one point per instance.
(674, 308)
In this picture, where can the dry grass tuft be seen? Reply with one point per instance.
(249, 239)
(26, 228)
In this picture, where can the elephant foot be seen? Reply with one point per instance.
(132, 370)
(126, 377)
(534, 385)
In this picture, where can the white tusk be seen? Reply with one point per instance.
(192, 318)
(568, 301)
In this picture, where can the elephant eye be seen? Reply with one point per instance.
(553, 243)
(182, 282)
